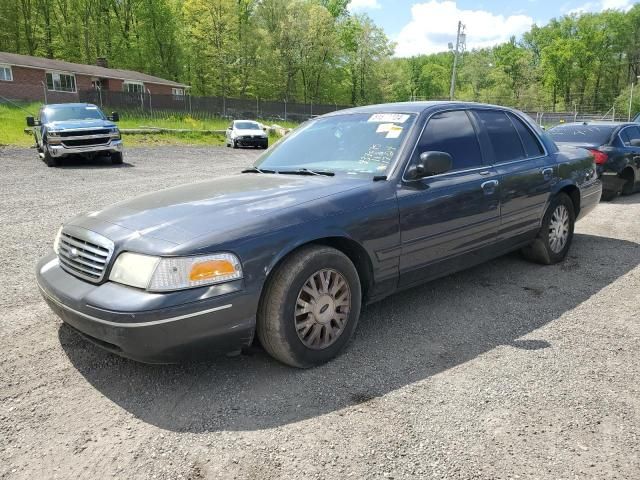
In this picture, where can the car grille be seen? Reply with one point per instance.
(84, 254)
(86, 142)
(75, 133)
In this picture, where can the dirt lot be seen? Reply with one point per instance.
(509, 370)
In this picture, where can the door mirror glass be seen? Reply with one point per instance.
(31, 122)
(432, 163)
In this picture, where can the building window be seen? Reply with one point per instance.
(133, 87)
(61, 82)
(5, 73)
(177, 92)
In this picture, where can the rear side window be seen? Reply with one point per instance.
(503, 136)
(531, 144)
(628, 134)
(453, 133)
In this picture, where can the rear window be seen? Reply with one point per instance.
(596, 134)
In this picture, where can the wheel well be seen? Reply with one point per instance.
(353, 250)
(574, 195)
(628, 173)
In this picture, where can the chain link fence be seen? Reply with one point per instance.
(163, 106)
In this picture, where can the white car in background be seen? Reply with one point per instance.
(246, 133)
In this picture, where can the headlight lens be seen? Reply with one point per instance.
(115, 134)
(158, 274)
(56, 242)
(53, 133)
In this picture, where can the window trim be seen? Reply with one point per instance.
(8, 67)
(132, 82)
(466, 110)
(60, 72)
(176, 89)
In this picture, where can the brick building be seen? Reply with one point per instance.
(28, 78)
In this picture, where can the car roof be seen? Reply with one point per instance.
(413, 107)
(68, 105)
(596, 124)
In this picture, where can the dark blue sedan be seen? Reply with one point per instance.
(347, 209)
(615, 147)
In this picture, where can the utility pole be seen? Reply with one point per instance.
(460, 41)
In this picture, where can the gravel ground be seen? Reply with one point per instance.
(507, 370)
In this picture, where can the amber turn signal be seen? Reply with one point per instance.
(210, 269)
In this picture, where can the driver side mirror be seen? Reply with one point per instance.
(31, 122)
(115, 117)
(635, 142)
(431, 163)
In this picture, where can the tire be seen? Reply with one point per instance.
(235, 144)
(279, 319)
(608, 195)
(543, 250)
(117, 158)
(629, 186)
(49, 160)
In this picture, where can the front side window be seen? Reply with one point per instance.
(355, 143)
(61, 82)
(452, 133)
(133, 87)
(6, 75)
(502, 135)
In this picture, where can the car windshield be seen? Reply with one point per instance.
(357, 143)
(595, 134)
(247, 126)
(61, 114)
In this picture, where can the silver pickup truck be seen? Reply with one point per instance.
(66, 129)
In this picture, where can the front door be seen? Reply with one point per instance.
(446, 219)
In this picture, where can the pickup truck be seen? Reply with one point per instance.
(66, 129)
(348, 209)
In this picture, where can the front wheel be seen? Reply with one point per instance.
(116, 158)
(49, 160)
(554, 238)
(234, 144)
(310, 307)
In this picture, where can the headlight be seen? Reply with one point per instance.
(56, 242)
(158, 274)
(115, 134)
(53, 133)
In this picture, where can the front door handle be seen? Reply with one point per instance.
(489, 186)
(547, 173)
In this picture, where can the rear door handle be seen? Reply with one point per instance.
(489, 186)
(547, 173)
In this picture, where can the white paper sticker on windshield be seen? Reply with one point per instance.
(394, 132)
(91, 108)
(389, 117)
(384, 127)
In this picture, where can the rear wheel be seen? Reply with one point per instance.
(629, 185)
(310, 307)
(555, 236)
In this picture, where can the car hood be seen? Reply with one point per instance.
(244, 133)
(181, 214)
(76, 124)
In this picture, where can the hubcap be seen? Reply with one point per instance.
(559, 229)
(322, 309)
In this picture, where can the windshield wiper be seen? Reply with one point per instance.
(307, 171)
(257, 170)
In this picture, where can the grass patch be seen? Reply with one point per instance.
(12, 124)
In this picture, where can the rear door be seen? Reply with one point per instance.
(632, 153)
(444, 217)
(525, 171)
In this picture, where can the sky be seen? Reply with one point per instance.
(427, 26)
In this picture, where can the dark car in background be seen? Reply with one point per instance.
(65, 129)
(615, 147)
(348, 209)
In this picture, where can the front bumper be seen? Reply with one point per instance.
(137, 326)
(252, 142)
(62, 151)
